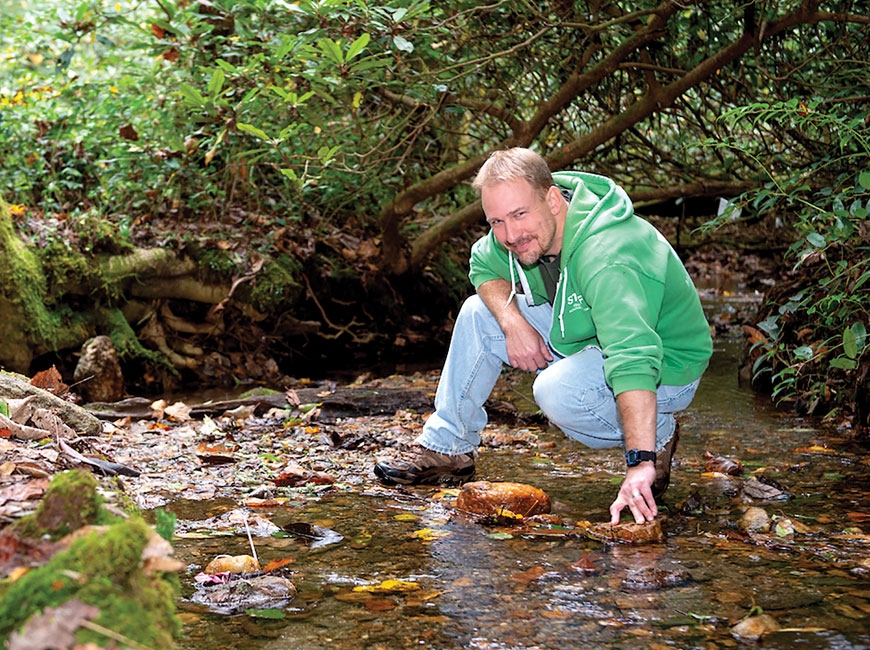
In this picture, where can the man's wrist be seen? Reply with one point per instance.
(634, 457)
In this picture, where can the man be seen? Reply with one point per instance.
(575, 287)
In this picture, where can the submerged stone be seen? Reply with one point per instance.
(654, 578)
(755, 520)
(754, 627)
(244, 592)
(626, 533)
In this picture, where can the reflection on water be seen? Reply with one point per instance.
(482, 590)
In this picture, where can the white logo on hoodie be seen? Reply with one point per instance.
(575, 302)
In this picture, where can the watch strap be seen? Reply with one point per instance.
(635, 457)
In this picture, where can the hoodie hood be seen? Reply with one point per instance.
(597, 203)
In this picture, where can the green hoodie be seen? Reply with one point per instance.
(622, 288)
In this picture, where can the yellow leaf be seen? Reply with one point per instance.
(429, 534)
(390, 586)
(406, 517)
(17, 572)
(504, 513)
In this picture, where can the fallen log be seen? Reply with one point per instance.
(14, 386)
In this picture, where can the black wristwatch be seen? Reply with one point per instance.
(635, 457)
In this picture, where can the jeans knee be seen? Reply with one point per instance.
(547, 393)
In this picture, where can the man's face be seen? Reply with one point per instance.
(522, 220)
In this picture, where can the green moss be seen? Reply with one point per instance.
(97, 233)
(103, 569)
(127, 344)
(63, 267)
(276, 285)
(213, 264)
(24, 284)
(70, 502)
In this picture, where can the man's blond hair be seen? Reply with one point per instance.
(514, 164)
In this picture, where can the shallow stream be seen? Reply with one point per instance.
(475, 586)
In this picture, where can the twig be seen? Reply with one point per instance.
(251, 540)
(120, 638)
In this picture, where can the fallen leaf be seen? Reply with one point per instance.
(218, 453)
(429, 534)
(816, 449)
(54, 627)
(275, 614)
(722, 465)
(390, 587)
(525, 577)
(380, 605)
(583, 565)
(278, 563)
(178, 411)
(50, 381)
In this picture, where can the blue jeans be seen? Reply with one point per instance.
(571, 391)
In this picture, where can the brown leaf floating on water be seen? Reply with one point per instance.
(722, 465)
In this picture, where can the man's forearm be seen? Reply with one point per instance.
(637, 412)
(495, 294)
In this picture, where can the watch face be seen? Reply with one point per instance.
(636, 456)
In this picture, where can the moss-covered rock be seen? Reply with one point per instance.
(23, 292)
(277, 284)
(103, 568)
(70, 502)
(109, 564)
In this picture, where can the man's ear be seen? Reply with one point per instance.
(554, 199)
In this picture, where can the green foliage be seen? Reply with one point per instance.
(816, 338)
(332, 108)
(165, 524)
(182, 106)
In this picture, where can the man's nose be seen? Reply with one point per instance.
(511, 232)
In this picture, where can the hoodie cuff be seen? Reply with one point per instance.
(625, 383)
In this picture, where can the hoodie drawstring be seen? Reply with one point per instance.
(515, 267)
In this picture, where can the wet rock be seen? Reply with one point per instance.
(232, 564)
(246, 592)
(755, 520)
(754, 627)
(794, 597)
(99, 371)
(502, 499)
(653, 579)
(626, 533)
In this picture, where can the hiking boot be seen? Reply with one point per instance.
(663, 464)
(428, 468)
